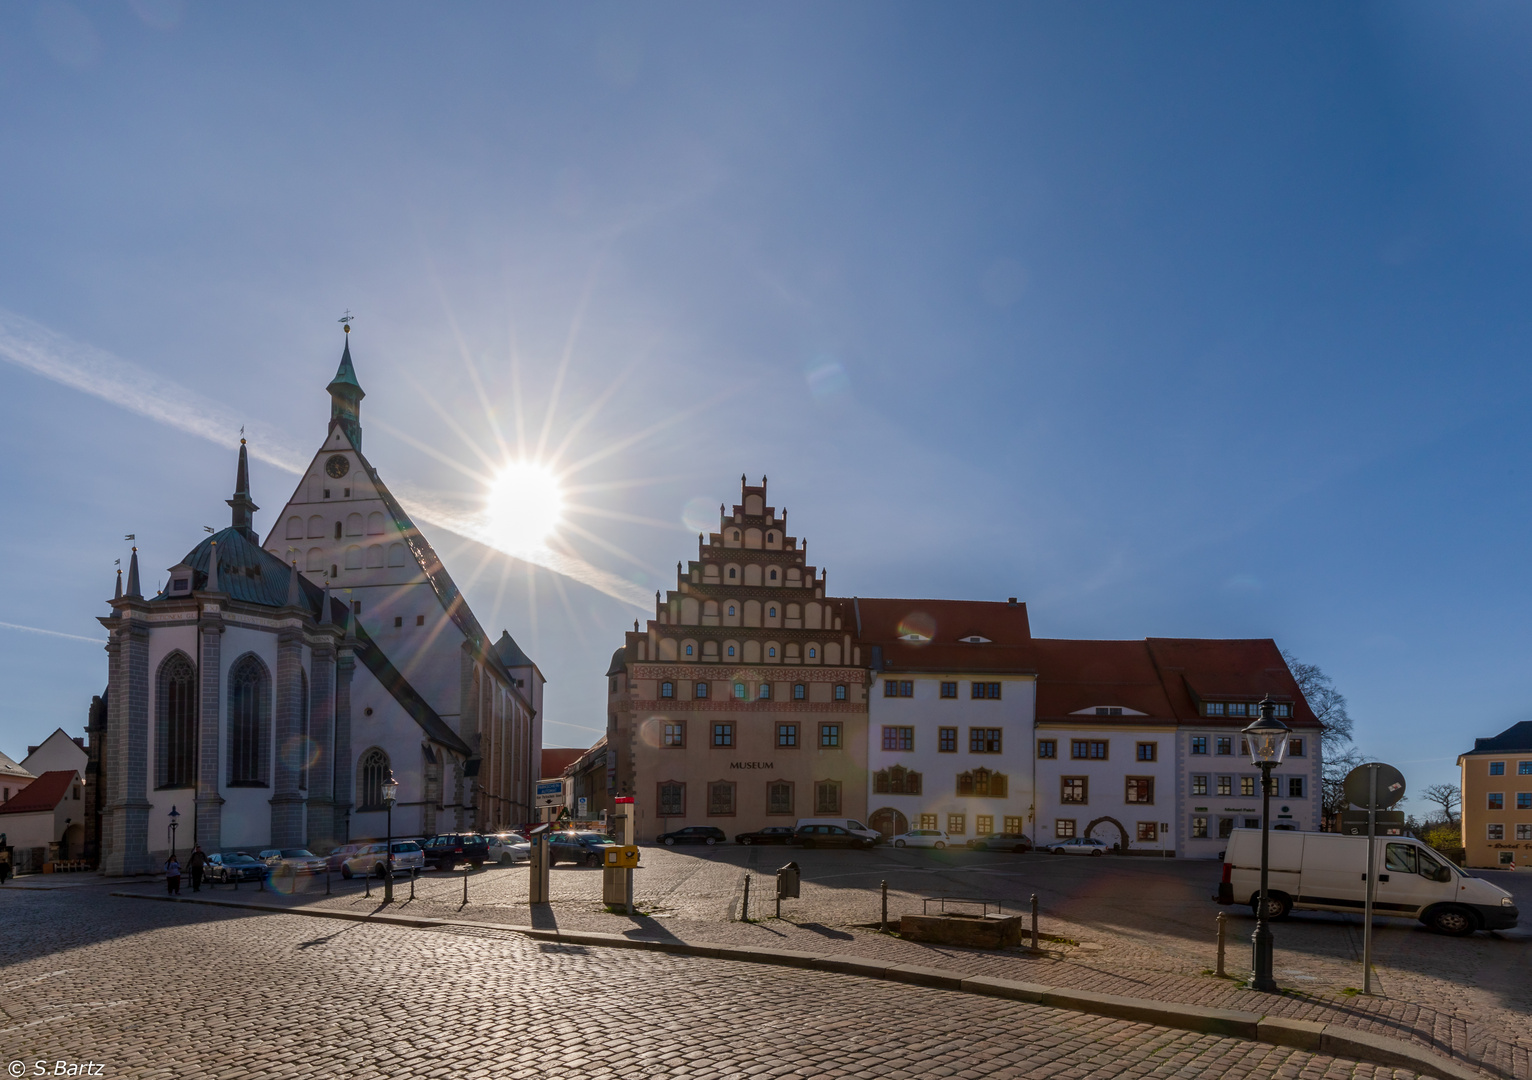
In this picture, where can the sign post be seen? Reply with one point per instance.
(617, 872)
(1374, 786)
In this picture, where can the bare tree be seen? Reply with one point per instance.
(1328, 705)
(1447, 796)
(1333, 797)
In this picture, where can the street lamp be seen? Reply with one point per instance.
(1267, 740)
(390, 793)
(174, 824)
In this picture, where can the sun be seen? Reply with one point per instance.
(524, 505)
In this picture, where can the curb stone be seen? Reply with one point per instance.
(1330, 1039)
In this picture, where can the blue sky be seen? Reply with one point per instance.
(1176, 320)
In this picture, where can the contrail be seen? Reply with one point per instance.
(96, 372)
(51, 633)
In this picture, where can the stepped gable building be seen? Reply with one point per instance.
(267, 706)
(950, 715)
(1138, 743)
(743, 702)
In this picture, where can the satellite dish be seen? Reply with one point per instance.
(1358, 786)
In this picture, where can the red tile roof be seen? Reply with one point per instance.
(558, 758)
(44, 793)
(887, 624)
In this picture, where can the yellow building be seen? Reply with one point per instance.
(1497, 799)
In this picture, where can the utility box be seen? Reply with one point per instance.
(621, 857)
(537, 886)
(788, 879)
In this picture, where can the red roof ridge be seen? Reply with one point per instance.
(41, 794)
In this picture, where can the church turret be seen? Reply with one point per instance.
(346, 396)
(243, 506)
(119, 584)
(133, 593)
(212, 567)
(294, 590)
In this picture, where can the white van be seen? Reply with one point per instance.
(851, 825)
(1328, 872)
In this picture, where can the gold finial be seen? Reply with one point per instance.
(345, 320)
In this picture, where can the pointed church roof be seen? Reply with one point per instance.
(249, 573)
(134, 592)
(510, 653)
(345, 375)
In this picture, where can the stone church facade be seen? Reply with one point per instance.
(269, 690)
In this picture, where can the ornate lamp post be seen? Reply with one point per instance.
(390, 793)
(1267, 740)
(174, 824)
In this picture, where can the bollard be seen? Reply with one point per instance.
(412, 883)
(1034, 920)
(883, 922)
(1222, 924)
(465, 886)
(260, 881)
(327, 877)
(744, 908)
(368, 881)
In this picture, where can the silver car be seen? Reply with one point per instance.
(370, 860)
(292, 860)
(509, 848)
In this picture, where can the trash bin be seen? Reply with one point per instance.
(787, 881)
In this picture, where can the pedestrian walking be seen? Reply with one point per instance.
(197, 864)
(172, 877)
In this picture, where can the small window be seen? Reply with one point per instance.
(675, 734)
(787, 735)
(1199, 744)
(667, 689)
(1497, 832)
(1139, 789)
(1074, 789)
(829, 736)
(990, 690)
(983, 824)
(731, 650)
(957, 824)
(764, 692)
(1497, 768)
(1294, 747)
(949, 689)
(771, 613)
(1047, 748)
(1199, 785)
(731, 609)
(1496, 800)
(1524, 768)
(356, 607)
(739, 691)
(898, 738)
(337, 530)
(1088, 749)
(946, 740)
(799, 691)
(813, 653)
(420, 620)
(1247, 786)
(700, 690)
(773, 575)
(1524, 832)
(1014, 824)
(890, 688)
(1223, 745)
(398, 620)
(771, 650)
(1108, 710)
(1200, 828)
(688, 650)
(1284, 710)
(840, 693)
(1215, 708)
(327, 493)
(1064, 828)
(1225, 785)
(928, 821)
(1148, 751)
(1148, 832)
(1524, 800)
(1225, 828)
(1295, 787)
(731, 572)
(723, 734)
(771, 538)
(984, 740)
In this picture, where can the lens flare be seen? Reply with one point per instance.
(917, 628)
(524, 505)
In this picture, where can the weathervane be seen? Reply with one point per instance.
(345, 320)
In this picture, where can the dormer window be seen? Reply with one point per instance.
(976, 639)
(180, 584)
(1108, 710)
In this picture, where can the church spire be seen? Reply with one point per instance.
(346, 396)
(294, 590)
(244, 507)
(133, 592)
(119, 584)
(324, 605)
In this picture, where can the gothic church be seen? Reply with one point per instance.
(266, 705)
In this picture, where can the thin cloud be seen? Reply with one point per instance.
(94, 371)
(50, 633)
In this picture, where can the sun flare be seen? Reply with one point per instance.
(524, 505)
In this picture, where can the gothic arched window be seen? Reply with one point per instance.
(249, 723)
(370, 774)
(175, 737)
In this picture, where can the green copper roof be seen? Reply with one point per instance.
(345, 375)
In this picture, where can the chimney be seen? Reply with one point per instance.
(1013, 601)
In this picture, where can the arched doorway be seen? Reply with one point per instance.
(1123, 833)
(889, 822)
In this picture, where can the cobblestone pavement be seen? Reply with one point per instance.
(1139, 927)
(152, 990)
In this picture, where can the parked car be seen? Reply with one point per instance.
(811, 836)
(693, 834)
(1328, 872)
(293, 860)
(1001, 841)
(578, 847)
(936, 838)
(771, 834)
(369, 859)
(1078, 845)
(851, 825)
(444, 852)
(341, 854)
(509, 848)
(227, 866)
